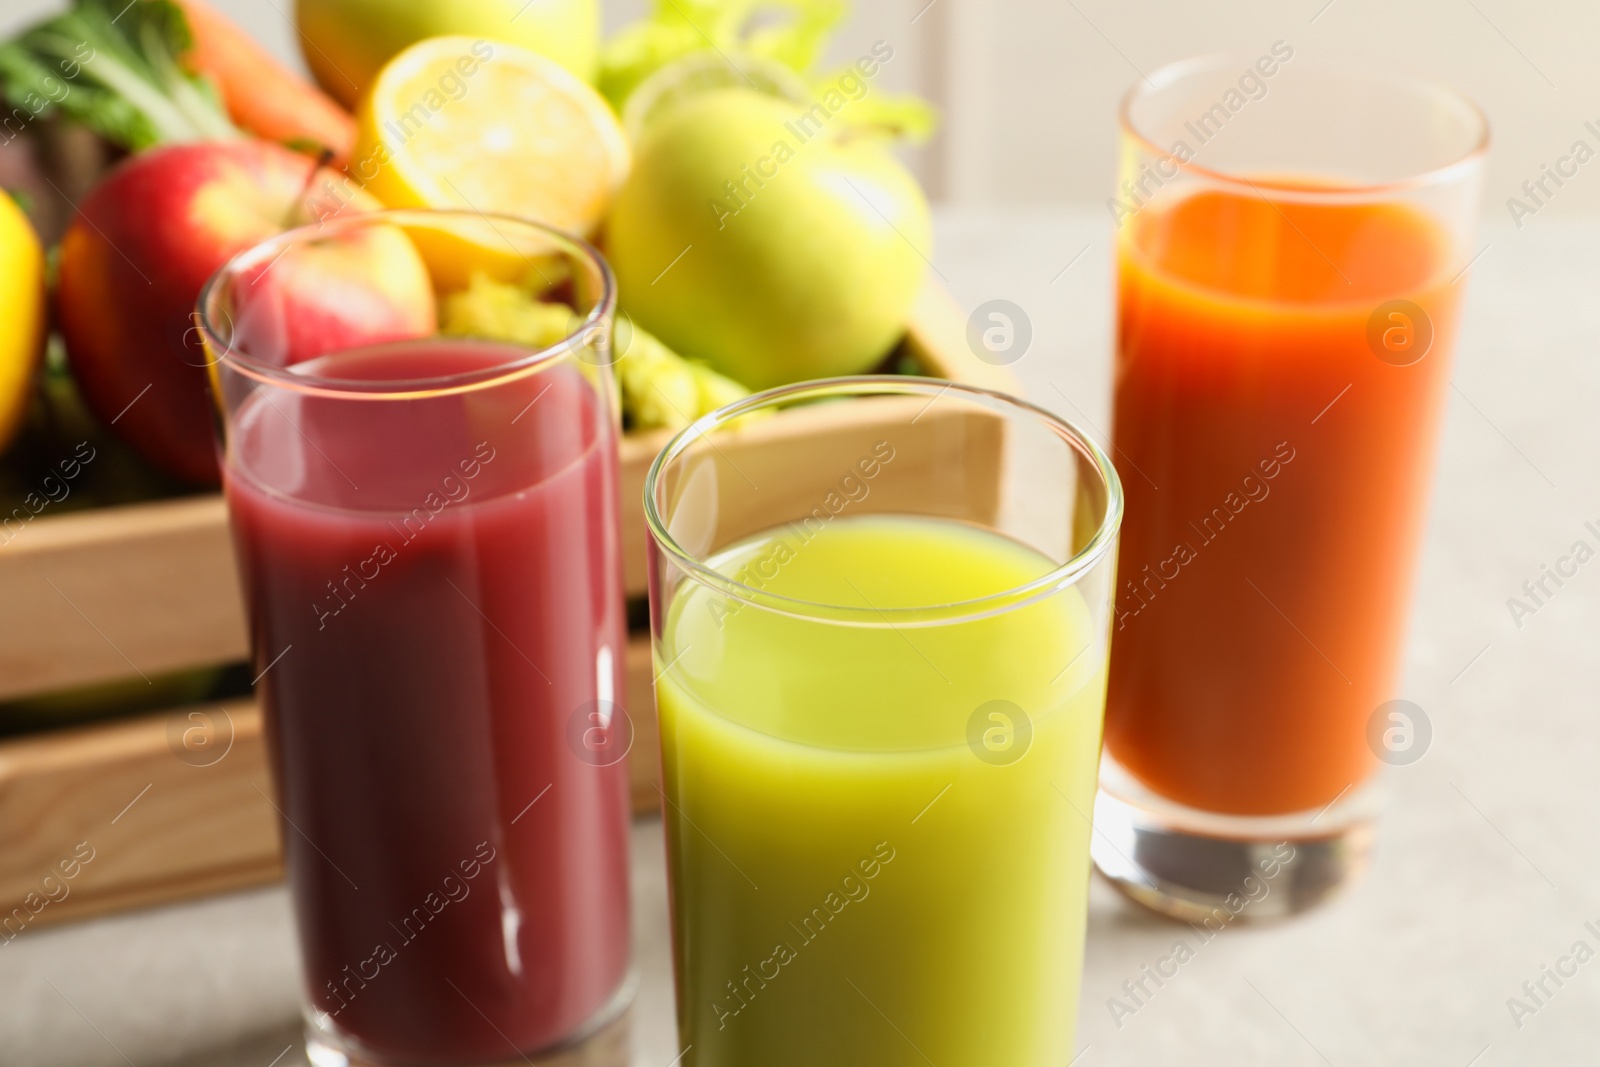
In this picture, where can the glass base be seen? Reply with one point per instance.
(1202, 867)
(601, 1042)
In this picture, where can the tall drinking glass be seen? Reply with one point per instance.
(1292, 248)
(880, 621)
(427, 532)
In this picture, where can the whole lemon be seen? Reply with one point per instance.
(22, 315)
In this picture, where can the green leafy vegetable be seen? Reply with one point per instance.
(115, 67)
(715, 390)
(659, 388)
(487, 308)
(793, 32)
(893, 117)
(709, 44)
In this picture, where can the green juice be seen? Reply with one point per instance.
(878, 836)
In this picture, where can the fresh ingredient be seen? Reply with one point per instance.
(21, 314)
(772, 46)
(132, 263)
(115, 66)
(775, 245)
(346, 42)
(61, 439)
(364, 287)
(660, 389)
(152, 72)
(488, 308)
(703, 72)
(521, 136)
(716, 390)
(261, 94)
(793, 36)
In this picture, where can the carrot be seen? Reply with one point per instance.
(261, 94)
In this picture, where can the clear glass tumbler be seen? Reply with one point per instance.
(1293, 239)
(424, 506)
(880, 609)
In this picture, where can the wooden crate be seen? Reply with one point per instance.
(112, 594)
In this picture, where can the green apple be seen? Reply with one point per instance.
(774, 242)
(346, 42)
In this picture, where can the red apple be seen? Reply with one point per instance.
(146, 239)
(362, 286)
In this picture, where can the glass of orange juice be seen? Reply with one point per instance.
(1293, 240)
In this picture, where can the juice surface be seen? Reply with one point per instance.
(851, 882)
(1276, 472)
(436, 586)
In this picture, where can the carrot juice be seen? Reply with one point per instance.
(1281, 366)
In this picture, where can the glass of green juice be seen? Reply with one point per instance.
(880, 610)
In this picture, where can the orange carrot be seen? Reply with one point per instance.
(261, 94)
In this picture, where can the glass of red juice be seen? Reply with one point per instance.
(1293, 242)
(418, 433)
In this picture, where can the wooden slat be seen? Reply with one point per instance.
(644, 758)
(937, 335)
(157, 827)
(98, 596)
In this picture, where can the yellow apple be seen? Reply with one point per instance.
(768, 240)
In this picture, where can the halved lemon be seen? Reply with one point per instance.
(460, 122)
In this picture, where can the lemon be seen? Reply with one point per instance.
(21, 314)
(459, 122)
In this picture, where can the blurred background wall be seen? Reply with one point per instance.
(1029, 88)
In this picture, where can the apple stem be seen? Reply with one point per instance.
(322, 160)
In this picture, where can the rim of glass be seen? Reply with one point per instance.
(1165, 77)
(889, 385)
(604, 310)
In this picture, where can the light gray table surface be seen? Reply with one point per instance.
(1486, 869)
